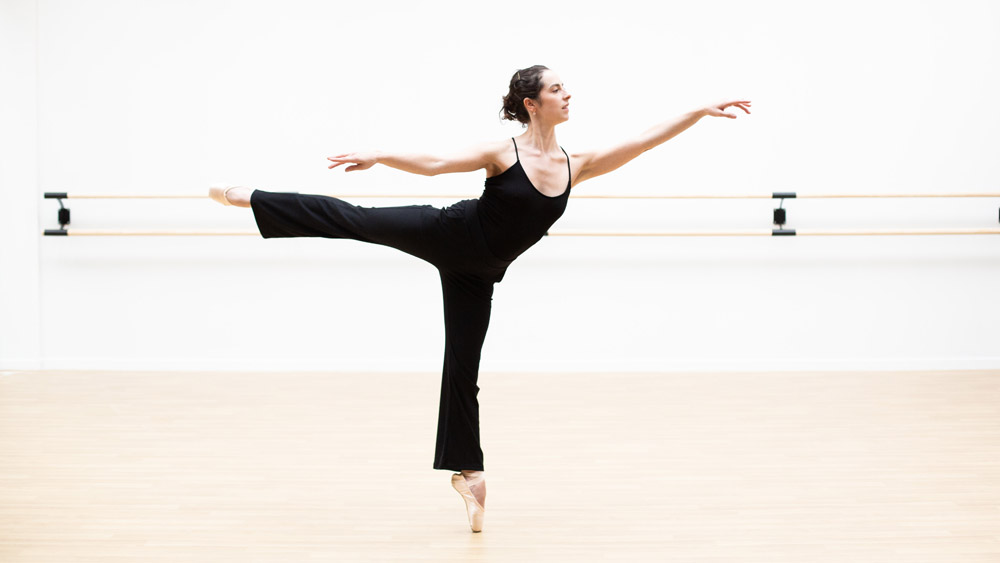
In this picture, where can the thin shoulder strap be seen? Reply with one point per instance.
(515, 150)
(568, 168)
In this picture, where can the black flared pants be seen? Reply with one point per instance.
(450, 239)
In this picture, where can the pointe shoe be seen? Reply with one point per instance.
(472, 506)
(218, 193)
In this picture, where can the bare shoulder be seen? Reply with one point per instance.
(470, 158)
(498, 147)
(499, 155)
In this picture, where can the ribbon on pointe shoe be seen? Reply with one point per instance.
(474, 477)
(475, 510)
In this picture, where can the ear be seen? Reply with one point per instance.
(530, 105)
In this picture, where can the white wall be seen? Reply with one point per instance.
(20, 339)
(168, 97)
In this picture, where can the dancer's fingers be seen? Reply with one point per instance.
(719, 110)
(359, 161)
(339, 160)
(742, 104)
(745, 106)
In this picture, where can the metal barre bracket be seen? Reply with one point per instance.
(63, 213)
(780, 215)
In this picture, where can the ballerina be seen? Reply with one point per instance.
(471, 242)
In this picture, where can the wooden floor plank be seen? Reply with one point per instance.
(761, 467)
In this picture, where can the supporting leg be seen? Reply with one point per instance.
(467, 302)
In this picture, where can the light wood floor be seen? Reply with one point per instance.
(248, 467)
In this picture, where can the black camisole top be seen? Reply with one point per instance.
(513, 214)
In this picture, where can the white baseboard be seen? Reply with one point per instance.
(20, 364)
(560, 365)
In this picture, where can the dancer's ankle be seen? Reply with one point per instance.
(239, 196)
(476, 480)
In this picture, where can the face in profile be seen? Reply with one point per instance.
(552, 104)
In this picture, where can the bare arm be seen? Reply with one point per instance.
(603, 161)
(468, 160)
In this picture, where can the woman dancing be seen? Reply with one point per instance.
(528, 181)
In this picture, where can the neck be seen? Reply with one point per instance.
(542, 138)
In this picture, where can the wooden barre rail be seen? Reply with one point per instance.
(779, 216)
(776, 195)
(569, 233)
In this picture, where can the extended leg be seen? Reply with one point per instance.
(414, 229)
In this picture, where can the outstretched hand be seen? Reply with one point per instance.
(358, 161)
(718, 110)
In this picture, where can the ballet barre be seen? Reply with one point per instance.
(779, 218)
(774, 195)
(568, 233)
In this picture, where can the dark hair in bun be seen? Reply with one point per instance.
(526, 83)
